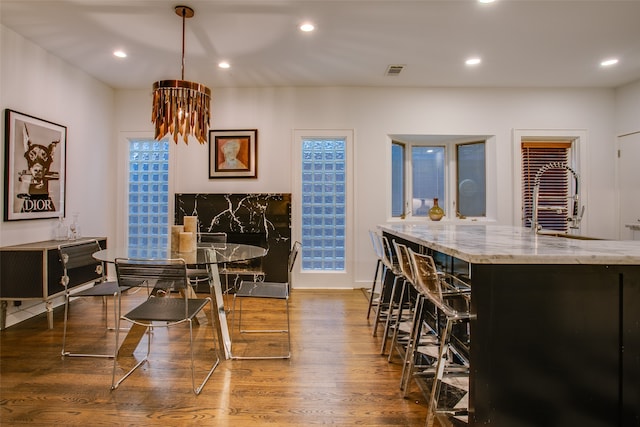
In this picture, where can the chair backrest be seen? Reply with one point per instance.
(78, 255)
(426, 275)
(170, 274)
(293, 255)
(213, 237)
(376, 242)
(388, 253)
(404, 261)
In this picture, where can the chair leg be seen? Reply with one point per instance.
(432, 407)
(199, 388)
(114, 383)
(398, 321)
(389, 321)
(116, 308)
(373, 287)
(383, 301)
(64, 327)
(241, 331)
(412, 346)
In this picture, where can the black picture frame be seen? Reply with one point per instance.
(233, 153)
(35, 167)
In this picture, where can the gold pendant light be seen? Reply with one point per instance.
(181, 107)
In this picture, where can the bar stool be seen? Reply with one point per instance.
(451, 297)
(395, 321)
(376, 242)
(391, 274)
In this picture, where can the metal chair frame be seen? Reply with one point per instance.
(376, 243)
(400, 297)
(438, 289)
(79, 255)
(408, 296)
(390, 267)
(161, 311)
(266, 290)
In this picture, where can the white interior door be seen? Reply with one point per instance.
(629, 185)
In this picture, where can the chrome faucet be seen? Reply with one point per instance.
(575, 216)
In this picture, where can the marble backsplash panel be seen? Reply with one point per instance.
(263, 219)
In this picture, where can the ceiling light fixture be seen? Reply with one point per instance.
(224, 64)
(181, 107)
(307, 27)
(120, 54)
(473, 61)
(609, 62)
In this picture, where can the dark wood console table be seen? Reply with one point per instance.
(32, 271)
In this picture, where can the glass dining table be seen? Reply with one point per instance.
(206, 254)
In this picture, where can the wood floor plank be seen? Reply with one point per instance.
(335, 376)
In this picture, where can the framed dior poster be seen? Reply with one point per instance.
(35, 166)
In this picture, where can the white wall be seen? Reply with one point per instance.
(34, 82)
(627, 108)
(374, 113)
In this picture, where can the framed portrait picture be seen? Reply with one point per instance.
(233, 153)
(35, 167)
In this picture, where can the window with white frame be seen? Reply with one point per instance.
(421, 172)
(555, 205)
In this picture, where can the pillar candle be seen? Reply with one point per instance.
(191, 223)
(189, 257)
(187, 241)
(175, 237)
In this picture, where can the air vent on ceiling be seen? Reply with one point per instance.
(394, 70)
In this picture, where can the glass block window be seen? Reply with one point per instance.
(148, 193)
(323, 204)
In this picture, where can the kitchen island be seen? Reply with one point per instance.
(556, 336)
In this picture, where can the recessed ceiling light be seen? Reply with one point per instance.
(486, 1)
(473, 61)
(609, 62)
(224, 64)
(307, 27)
(120, 54)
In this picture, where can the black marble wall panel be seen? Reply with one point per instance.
(262, 219)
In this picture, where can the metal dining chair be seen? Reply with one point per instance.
(266, 291)
(78, 257)
(161, 309)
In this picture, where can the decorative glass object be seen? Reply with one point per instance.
(74, 228)
(436, 213)
(61, 231)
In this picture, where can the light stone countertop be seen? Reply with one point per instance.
(500, 244)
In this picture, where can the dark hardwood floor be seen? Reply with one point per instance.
(335, 376)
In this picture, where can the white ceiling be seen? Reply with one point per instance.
(523, 43)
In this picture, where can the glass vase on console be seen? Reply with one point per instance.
(74, 228)
(60, 231)
(436, 213)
